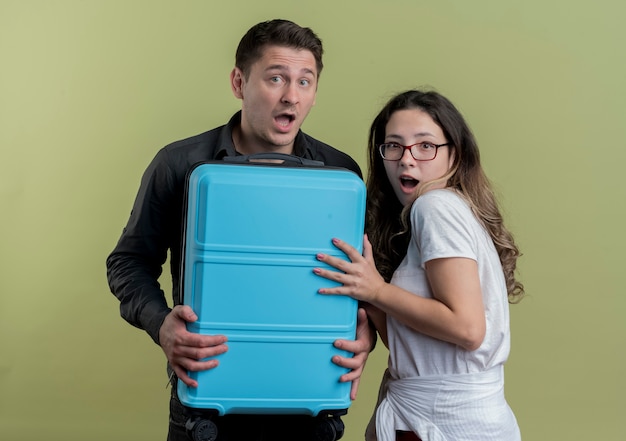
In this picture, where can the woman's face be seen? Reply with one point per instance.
(407, 175)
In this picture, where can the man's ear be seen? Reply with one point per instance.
(236, 82)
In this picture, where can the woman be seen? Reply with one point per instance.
(446, 273)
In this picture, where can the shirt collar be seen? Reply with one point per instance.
(301, 146)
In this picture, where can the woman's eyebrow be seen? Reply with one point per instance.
(419, 134)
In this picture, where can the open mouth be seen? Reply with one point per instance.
(285, 119)
(408, 183)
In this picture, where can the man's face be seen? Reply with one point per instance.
(276, 98)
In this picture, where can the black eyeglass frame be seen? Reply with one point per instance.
(381, 147)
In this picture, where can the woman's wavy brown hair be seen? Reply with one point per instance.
(387, 219)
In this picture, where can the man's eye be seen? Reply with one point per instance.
(304, 82)
(275, 79)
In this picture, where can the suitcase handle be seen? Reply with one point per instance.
(278, 156)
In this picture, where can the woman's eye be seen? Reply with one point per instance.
(427, 146)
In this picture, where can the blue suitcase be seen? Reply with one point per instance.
(252, 232)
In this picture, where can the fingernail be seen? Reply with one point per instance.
(316, 270)
(319, 256)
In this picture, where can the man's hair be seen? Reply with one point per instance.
(276, 33)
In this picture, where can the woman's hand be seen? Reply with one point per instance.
(359, 277)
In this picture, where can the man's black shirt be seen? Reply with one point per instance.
(156, 221)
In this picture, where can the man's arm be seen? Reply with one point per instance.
(135, 265)
(142, 302)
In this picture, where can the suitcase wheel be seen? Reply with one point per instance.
(328, 429)
(201, 429)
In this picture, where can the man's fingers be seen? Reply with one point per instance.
(354, 388)
(355, 346)
(185, 313)
(200, 353)
(182, 366)
(191, 339)
(355, 364)
(187, 365)
(182, 376)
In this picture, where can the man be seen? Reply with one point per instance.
(276, 74)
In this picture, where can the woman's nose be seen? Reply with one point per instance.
(407, 158)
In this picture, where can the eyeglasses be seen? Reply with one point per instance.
(422, 151)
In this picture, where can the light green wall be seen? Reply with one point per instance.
(89, 90)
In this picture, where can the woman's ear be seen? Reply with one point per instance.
(451, 157)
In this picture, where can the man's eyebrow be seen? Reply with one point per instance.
(309, 71)
(276, 67)
(282, 67)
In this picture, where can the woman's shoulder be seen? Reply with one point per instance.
(440, 198)
(441, 206)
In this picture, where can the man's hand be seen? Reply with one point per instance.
(360, 347)
(186, 350)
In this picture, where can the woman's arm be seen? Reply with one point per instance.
(455, 313)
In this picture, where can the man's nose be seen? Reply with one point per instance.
(291, 94)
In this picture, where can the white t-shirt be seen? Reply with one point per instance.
(443, 225)
(436, 389)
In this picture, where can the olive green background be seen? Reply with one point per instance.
(90, 90)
